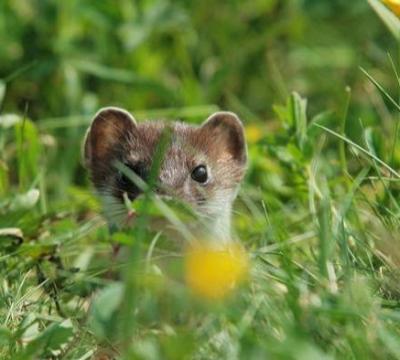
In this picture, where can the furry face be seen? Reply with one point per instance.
(201, 166)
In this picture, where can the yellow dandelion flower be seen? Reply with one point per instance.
(393, 5)
(213, 273)
(254, 133)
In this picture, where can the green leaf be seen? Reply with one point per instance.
(390, 19)
(50, 341)
(358, 147)
(391, 342)
(2, 91)
(10, 238)
(5, 336)
(102, 319)
(9, 120)
(28, 152)
(381, 90)
(298, 107)
(25, 201)
(122, 238)
(4, 181)
(120, 75)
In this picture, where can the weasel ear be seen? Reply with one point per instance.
(110, 130)
(225, 130)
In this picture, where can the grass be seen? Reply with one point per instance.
(318, 212)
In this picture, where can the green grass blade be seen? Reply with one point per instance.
(390, 19)
(364, 151)
(381, 90)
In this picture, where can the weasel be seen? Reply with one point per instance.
(202, 166)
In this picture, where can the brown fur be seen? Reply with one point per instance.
(218, 143)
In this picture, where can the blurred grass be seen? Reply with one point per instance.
(318, 211)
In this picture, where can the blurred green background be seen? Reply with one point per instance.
(69, 58)
(318, 216)
(63, 60)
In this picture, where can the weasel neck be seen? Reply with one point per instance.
(218, 226)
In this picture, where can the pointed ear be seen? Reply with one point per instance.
(110, 130)
(225, 130)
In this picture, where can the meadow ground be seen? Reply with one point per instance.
(316, 84)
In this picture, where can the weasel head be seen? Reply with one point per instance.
(200, 165)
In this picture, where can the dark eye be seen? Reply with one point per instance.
(199, 174)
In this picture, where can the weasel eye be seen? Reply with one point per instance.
(199, 174)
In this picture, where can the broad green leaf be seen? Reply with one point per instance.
(25, 201)
(9, 120)
(103, 310)
(48, 342)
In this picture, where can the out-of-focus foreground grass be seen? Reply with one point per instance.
(318, 212)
